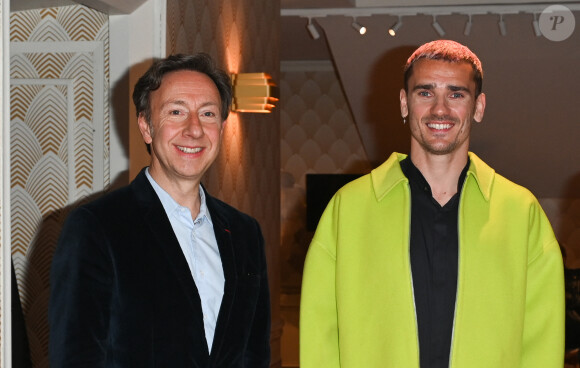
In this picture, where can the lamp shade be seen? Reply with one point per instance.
(254, 92)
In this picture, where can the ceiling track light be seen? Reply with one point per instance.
(468, 25)
(393, 30)
(312, 30)
(501, 25)
(438, 27)
(536, 26)
(360, 29)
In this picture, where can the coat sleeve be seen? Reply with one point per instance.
(318, 313)
(258, 351)
(81, 283)
(543, 334)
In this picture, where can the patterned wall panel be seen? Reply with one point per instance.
(59, 141)
(318, 135)
(243, 36)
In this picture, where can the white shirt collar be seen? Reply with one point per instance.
(171, 206)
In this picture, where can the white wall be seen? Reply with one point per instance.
(135, 39)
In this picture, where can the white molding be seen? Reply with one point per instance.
(56, 46)
(5, 242)
(112, 6)
(134, 38)
(159, 28)
(98, 119)
(119, 63)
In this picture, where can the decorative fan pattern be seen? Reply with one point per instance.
(22, 68)
(45, 120)
(59, 141)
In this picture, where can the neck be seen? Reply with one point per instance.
(184, 191)
(441, 172)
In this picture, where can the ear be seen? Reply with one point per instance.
(479, 108)
(404, 106)
(223, 127)
(144, 128)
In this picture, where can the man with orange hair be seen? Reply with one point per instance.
(433, 259)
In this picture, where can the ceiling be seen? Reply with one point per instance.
(296, 43)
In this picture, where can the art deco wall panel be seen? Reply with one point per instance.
(59, 132)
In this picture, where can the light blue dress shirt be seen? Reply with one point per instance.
(200, 248)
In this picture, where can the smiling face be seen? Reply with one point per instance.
(186, 127)
(440, 105)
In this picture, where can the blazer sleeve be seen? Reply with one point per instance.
(258, 350)
(543, 333)
(81, 288)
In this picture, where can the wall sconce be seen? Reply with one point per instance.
(254, 92)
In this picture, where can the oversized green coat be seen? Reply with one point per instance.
(357, 304)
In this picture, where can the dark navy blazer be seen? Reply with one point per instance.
(122, 294)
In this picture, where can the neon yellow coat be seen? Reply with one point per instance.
(357, 306)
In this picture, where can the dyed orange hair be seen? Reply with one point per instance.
(446, 50)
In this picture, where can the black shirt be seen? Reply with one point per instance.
(434, 262)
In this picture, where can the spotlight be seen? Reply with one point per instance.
(312, 30)
(393, 30)
(438, 27)
(467, 30)
(501, 24)
(536, 26)
(360, 29)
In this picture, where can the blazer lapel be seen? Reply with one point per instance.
(163, 236)
(225, 245)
